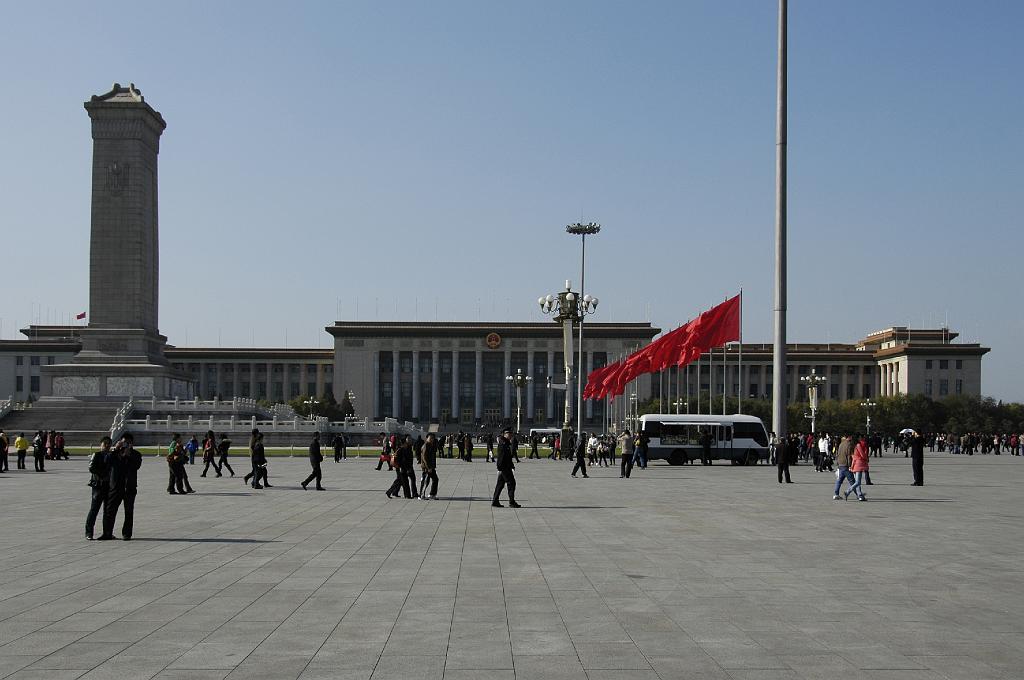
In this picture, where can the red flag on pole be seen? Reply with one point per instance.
(80, 316)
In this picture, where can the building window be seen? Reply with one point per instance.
(928, 388)
(927, 364)
(867, 370)
(405, 362)
(851, 370)
(833, 391)
(49, 361)
(943, 364)
(34, 361)
(19, 360)
(311, 390)
(865, 391)
(19, 383)
(849, 392)
(836, 370)
(943, 387)
(959, 363)
(959, 386)
(803, 370)
(293, 390)
(753, 390)
(33, 383)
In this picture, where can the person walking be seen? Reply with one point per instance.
(705, 450)
(469, 447)
(860, 466)
(581, 456)
(844, 459)
(784, 453)
(626, 465)
(260, 479)
(917, 458)
(21, 446)
(5, 446)
(489, 441)
(222, 448)
(315, 458)
(340, 447)
(99, 481)
(190, 448)
(252, 457)
(38, 451)
(534, 441)
(210, 453)
(428, 461)
(124, 463)
(174, 482)
(506, 474)
(401, 461)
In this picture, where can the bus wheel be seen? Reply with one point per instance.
(676, 458)
(752, 457)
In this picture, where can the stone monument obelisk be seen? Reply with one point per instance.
(122, 349)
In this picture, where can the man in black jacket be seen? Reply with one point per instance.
(403, 469)
(917, 458)
(315, 458)
(506, 476)
(99, 480)
(428, 461)
(124, 463)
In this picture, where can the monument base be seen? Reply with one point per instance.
(117, 362)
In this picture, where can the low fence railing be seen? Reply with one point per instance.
(236, 424)
(117, 428)
(238, 404)
(6, 406)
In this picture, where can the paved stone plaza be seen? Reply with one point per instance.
(683, 572)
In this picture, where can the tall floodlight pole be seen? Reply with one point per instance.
(779, 350)
(582, 230)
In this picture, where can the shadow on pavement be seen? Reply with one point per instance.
(154, 539)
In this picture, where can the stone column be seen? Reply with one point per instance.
(375, 381)
(285, 378)
(235, 383)
(456, 416)
(319, 380)
(396, 385)
(270, 382)
(252, 380)
(435, 385)
(303, 380)
(506, 394)
(529, 388)
(549, 407)
(202, 380)
(478, 391)
(415, 386)
(219, 386)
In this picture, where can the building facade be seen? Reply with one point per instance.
(455, 373)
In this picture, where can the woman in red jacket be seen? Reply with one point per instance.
(859, 466)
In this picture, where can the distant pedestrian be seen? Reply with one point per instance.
(39, 451)
(428, 462)
(785, 453)
(315, 458)
(222, 448)
(917, 459)
(534, 441)
(191, 447)
(626, 466)
(99, 481)
(506, 474)
(844, 459)
(210, 453)
(5, 446)
(581, 455)
(401, 462)
(340, 447)
(261, 478)
(860, 466)
(21, 446)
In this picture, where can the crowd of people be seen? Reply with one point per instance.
(113, 469)
(45, 446)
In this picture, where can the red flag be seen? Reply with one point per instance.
(80, 316)
(590, 390)
(714, 328)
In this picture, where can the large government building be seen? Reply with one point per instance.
(454, 374)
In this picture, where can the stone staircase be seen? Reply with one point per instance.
(83, 423)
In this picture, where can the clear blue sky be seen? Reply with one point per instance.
(407, 157)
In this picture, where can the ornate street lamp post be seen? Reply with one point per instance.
(309, 404)
(813, 382)
(567, 308)
(520, 381)
(582, 230)
(867, 406)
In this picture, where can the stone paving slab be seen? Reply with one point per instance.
(678, 572)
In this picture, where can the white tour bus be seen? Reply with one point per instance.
(547, 434)
(739, 439)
